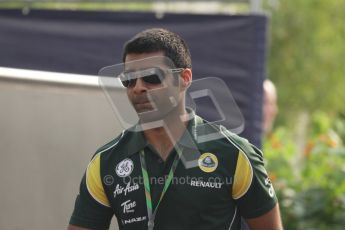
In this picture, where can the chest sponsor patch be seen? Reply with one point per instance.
(124, 168)
(125, 190)
(205, 184)
(208, 162)
(128, 206)
(134, 220)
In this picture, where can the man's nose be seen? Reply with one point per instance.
(139, 86)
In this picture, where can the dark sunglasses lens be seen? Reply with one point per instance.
(125, 83)
(152, 79)
(128, 83)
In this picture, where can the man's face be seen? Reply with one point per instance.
(152, 101)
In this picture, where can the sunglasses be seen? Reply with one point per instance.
(153, 76)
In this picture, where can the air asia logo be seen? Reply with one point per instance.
(208, 162)
(129, 188)
(124, 168)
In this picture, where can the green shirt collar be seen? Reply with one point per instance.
(137, 141)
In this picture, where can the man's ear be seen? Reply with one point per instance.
(186, 78)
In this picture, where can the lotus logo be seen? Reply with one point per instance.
(208, 162)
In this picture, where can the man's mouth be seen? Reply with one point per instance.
(143, 106)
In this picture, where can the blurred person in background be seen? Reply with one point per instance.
(270, 107)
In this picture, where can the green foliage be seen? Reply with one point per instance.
(306, 55)
(309, 181)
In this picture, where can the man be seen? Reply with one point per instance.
(227, 181)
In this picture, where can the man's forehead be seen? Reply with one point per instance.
(141, 65)
(145, 61)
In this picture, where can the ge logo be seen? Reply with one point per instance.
(124, 168)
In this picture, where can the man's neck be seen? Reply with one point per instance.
(164, 138)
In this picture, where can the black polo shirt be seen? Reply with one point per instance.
(228, 181)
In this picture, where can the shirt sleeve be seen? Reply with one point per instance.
(252, 188)
(92, 209)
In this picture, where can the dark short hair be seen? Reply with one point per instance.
(158, 39)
